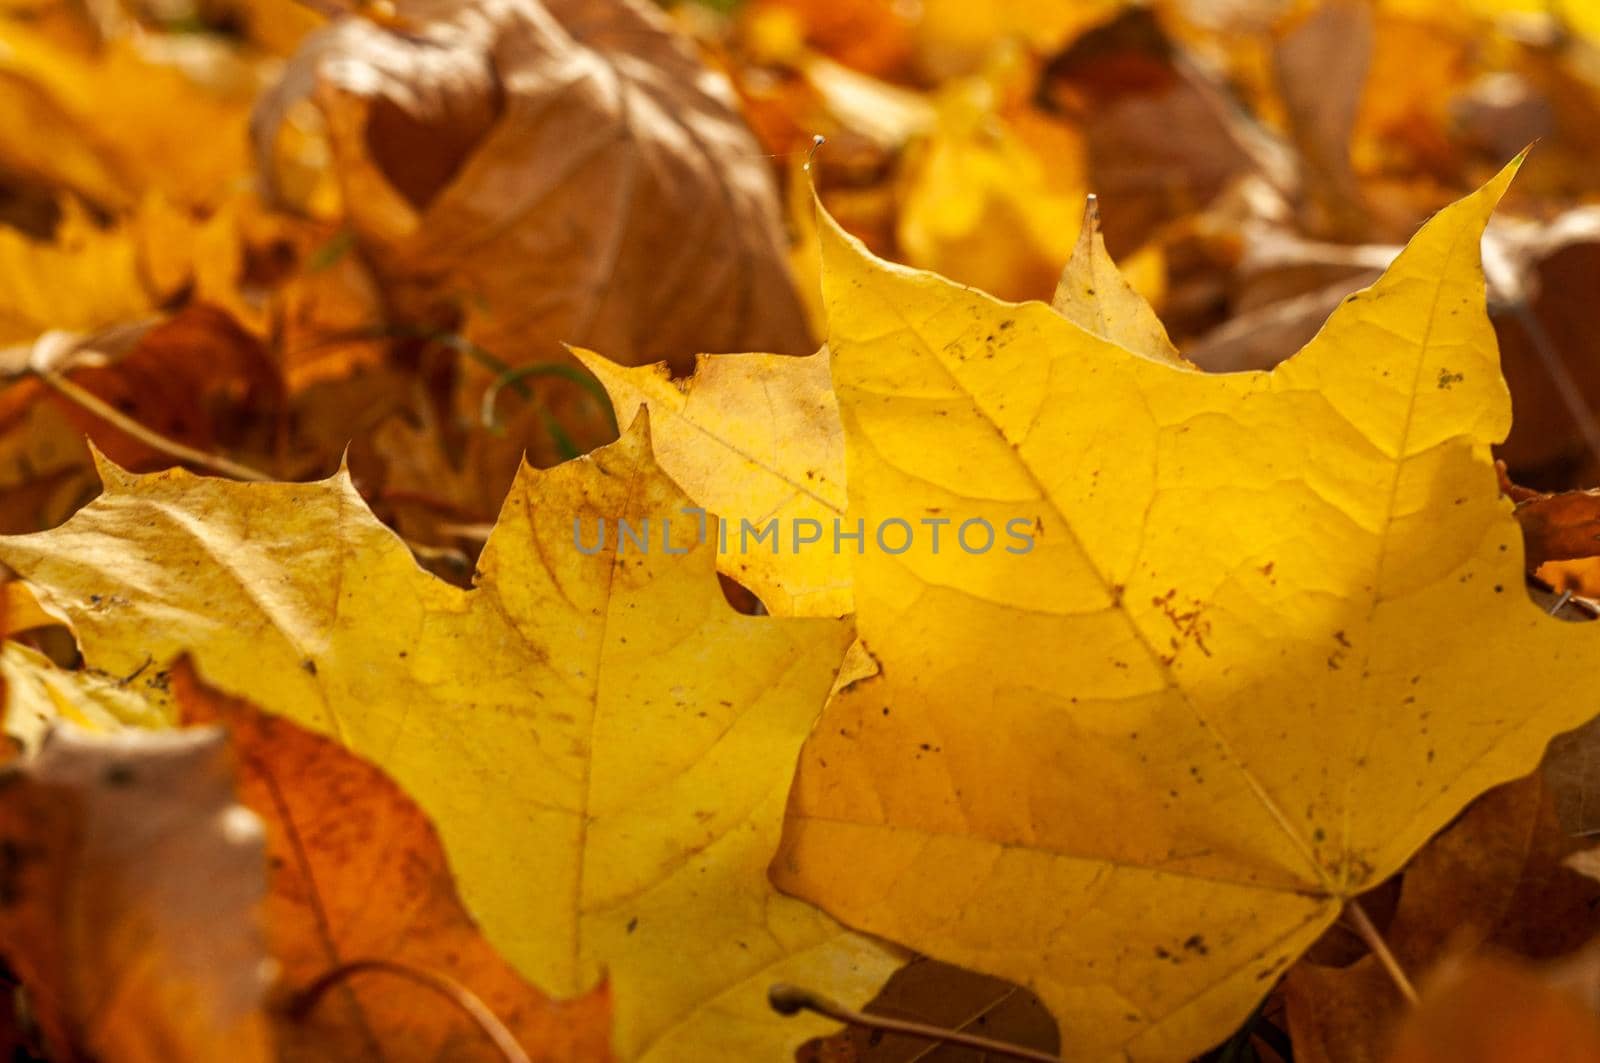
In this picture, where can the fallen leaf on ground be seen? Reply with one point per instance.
(356, 872)
(132, 882)
(84, 277)
(603, 744)
(757, 437)
(1094, 295)
(752, 437)
(1496, 1010)
(1218, 657)
(569, 171)
(1320, 68)
(67, 116)
(20, 610)
(1564, 526)
(41, 695)
(992, 195)
(1497, 877)
(1144, 109)
(1547, 345)
(195, 378)
(938, 995)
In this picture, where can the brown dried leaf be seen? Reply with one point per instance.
(128, 898)
(567, 172)
(1560, 527)
(1496, 1010)
(1496, 877)
(948, 997)
(1320, 67)
(1146, 109)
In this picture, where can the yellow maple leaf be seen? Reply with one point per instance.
(991, 197)
(1263, 634)
(113, 121)
(1094, 295)
(603, 743)
(83, 278)
(38, 695)
(755, 438)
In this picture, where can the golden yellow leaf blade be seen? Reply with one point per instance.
(603, 743)
(84, 279)
(39, 695)
(1267, 634)
(752, 437)
(990, 196)
(110, 145)
(1094, 295)
(20, 610)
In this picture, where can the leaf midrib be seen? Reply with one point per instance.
(1257, 788)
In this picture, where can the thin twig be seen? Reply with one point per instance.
(976, 1016)
(326, 8)
(110, 414)
(455, 992)
(791, 1000)
(477, 533)
(1380, 948)
(97, 406)
(817, 140)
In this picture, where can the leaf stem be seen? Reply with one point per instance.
(454, 991)
(1380, 948)
(515, 376)
(790, 1000)
(92, 403)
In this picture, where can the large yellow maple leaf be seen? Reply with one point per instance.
(604, 744)
(1269, 636)
(757, 438)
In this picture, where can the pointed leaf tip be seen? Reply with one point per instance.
(637, 434)
(113, 477)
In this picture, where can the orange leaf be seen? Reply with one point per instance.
(357, 872)
(1497, 1011)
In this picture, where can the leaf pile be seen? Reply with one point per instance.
(498, 676)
